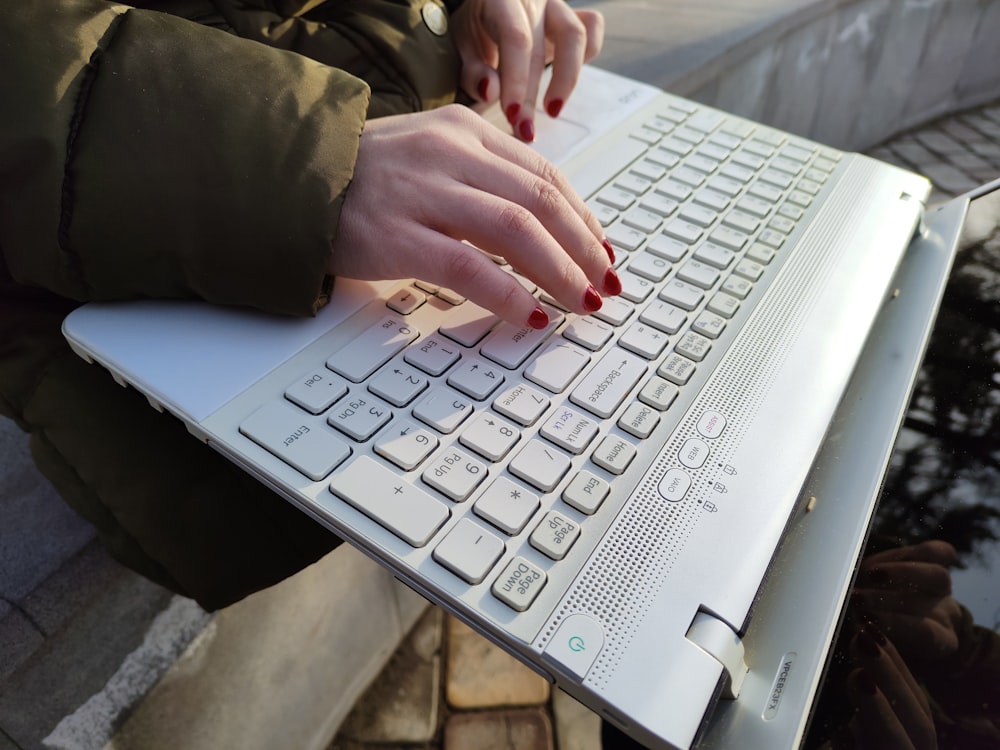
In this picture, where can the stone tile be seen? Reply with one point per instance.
(520, 729)
(78, 662)
(402, 705)
(912, 151)
(20, 638)
(939, 142)
(40, 531)
(987, 149)
(985, 125)
(967, 161)
(54, 602)
(279, 669)
(481, 675)
(343, 744)
(577, 727)
(984, 174)
(948, 179)
(961, 132)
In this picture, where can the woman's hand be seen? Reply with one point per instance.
(505, 45)
(892, 711)
(907, 592)
(425, 182)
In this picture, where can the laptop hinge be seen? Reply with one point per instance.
(718, 640)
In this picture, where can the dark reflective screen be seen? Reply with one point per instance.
(917, 663)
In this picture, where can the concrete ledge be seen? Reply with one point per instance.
(850, 73)
(93, 655)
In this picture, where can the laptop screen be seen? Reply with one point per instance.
(917, 663)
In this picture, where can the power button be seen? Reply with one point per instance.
(576, 644)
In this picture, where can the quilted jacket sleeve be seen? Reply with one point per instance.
(146, 155)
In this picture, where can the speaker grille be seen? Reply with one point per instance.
(635, 558)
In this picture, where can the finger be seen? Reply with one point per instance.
(522, 60)
(509, 229)
(932, 550)
(529, 160)
(875, 724)
(593, 22)
(510, 27)
(896, 683)
(480, 57)
(480, 81)
(561, 217)
(879, 656)
(568, 37)
(926, 578)
(472, 274)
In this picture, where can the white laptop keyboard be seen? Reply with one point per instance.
(492, 445)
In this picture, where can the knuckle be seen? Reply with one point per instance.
(547, 199)
(462, 269)
(515, 220)
(520, 38)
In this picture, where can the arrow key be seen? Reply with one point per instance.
(490, 436)
(406, 444)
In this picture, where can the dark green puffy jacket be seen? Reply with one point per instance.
(183, 148)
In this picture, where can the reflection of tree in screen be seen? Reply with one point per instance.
(944, 481)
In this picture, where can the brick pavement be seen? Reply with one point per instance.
(447, 688)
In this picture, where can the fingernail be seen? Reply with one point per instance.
(538, 319)
(554, 107)
(483, 88)
(612, 284)
(512, 111)
(611, 250)
(527, 130)
(591, 299)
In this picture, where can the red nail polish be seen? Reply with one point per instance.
(611, 250)
(538, 319)
(512, 111)
(554, 107)
(483, 88)
(527, 130)
(591, 299)
(612, 284)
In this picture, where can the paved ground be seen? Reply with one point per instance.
(447, 688)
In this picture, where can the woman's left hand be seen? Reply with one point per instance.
(506, 44)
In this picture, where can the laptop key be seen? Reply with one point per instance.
(406, 444)
(469, 551)
(519, 584)
(305, 445)
(540, 465)
(554, 536)
(455, 474)
(603, 389)
(507, 505)
(404, 509)
(372, 348)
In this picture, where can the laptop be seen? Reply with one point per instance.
(604, 499)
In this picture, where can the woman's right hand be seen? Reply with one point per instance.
(426, 184)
